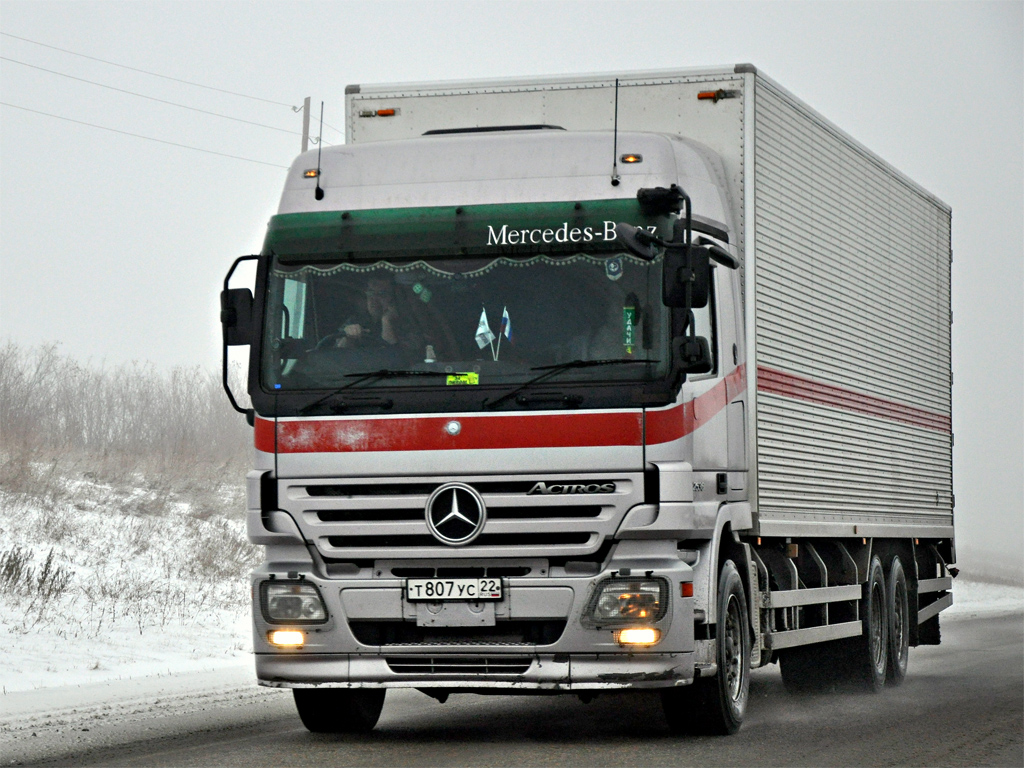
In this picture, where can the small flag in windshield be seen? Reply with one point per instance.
(483, 331)
(506, 324)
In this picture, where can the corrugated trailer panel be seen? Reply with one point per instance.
(852, 301)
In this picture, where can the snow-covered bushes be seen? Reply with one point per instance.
(121, 496)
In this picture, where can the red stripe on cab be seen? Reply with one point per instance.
(680, 420)
(347, 435)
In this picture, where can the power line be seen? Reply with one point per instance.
(151, 98)
(152, 74)
(140, 136)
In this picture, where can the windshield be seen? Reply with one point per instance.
(488, 320)
(450, 302)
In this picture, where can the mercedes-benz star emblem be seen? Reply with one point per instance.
(455, 514)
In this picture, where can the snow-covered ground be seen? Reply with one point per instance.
(978, 598)
(42, 658)
(109, 582)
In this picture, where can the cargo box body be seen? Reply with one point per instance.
(845, 275)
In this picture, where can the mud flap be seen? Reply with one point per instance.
(754, 600)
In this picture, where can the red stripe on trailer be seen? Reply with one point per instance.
(429, 434)
(680, 420)
(801, 388)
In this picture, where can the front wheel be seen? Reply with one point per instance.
(339, 710)
(716, 705)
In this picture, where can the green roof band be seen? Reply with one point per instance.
(478, 229)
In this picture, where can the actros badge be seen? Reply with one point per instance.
(455, 514)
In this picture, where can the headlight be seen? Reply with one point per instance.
(628, 601)
(292, 602)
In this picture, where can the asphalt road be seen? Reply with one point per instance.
(962, 704)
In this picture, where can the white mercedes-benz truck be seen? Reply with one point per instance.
(590, 383)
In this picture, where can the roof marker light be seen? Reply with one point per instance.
(387, 112)
(311, 173)
(631, 158)
(717, 96)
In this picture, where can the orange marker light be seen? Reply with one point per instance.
(386, 112)
(631, 158)
(686, 589)
(716, 96)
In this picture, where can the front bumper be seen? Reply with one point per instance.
(543, 672)
(577, 656)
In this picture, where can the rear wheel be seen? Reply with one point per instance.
(716, 705)
(899, 624)
(339, 710)
(868, 655)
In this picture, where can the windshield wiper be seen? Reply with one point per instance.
(552, 370)
(359, 378)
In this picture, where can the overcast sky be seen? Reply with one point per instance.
(115, 245)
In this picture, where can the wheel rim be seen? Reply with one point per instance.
(899, 622)
(878, 649)
(732, 645)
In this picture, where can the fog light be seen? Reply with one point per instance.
(286, 638)
(637, 636)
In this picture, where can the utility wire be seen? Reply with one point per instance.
(140, 136)
(157, 74)
(151, 98)
(153, 74)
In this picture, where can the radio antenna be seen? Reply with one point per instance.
(615, 139)
(319, 193)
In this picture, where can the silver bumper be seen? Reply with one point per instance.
(543, 672)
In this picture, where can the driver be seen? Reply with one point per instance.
(379, 325)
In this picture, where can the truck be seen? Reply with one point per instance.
(594, 383)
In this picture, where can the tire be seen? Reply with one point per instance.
(899, 624)
(339, 710)
(868, 655)
(716, 705)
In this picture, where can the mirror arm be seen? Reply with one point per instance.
(227, 319)
(719, 254)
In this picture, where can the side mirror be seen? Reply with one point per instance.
(675, 276)
(236, 316)
(693, 354)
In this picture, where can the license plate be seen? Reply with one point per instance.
(432, 590)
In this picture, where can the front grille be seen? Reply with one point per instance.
(459, 665)
(497, 572)
(495, 513)
(406, 633)
(492, 539)
(356, 489)
(365, 519)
